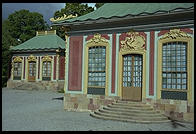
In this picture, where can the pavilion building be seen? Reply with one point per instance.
(131, 51)
(39, 63)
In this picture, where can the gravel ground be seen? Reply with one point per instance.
(33, 110)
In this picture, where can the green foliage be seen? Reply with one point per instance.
(24, 24)
(71, 8)
(18, 28)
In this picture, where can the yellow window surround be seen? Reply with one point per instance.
(97, 40)
(175, 35)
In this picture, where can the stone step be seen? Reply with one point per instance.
(125, 120)
(130, 110)
(131, 104)
(131, 117)
(132, 113)
(129, 107)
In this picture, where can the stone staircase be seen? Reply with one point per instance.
(129, 111)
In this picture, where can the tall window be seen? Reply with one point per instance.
(96, 70)
(174, 71)
(46, 75)
(17, 70)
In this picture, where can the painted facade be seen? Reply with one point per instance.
(147, 58)
(39, 68)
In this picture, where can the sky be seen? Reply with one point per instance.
(46, 9)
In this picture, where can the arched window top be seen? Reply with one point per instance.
(31, 58)
(47, 58)
(97, 40)
(17, 59)
(175, 34)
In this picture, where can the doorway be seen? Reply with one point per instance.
(32, 71)
(132, 77)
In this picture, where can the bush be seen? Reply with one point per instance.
(4, 81)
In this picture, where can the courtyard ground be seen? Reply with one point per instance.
(36, 110)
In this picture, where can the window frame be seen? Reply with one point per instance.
(175, 36)
(17, 77)
(47, 77)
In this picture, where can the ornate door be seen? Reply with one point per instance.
(32, 71)
(132, 77)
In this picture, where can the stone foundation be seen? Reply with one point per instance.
(83, 102)
(37, 85)
(176, 109)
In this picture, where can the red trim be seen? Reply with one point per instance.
(75, 63)
(151, 66)
(38, 66)
(61, 67)
(54, 70)
(187, 30)
(162, 32)
(113, 62)
(24, 68)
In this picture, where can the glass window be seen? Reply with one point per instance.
(174, 67)
(46, 70)
(17, 69)
(96, 65)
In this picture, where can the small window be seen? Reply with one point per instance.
(46, 74)
(17, 70)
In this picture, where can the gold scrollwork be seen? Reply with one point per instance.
(97, 38)
(64, 17)
(47, 58)
(175, 33)
(133, 41)
(31, 58)
(17, 59)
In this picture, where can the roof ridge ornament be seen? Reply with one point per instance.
(64, 17)
(133, 41)
(97, 38)
(175, 33)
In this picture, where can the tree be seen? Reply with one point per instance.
(98, 5)
(71, 8)
(18, 28)
(24, 24)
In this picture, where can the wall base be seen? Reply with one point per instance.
(83, 102)
(176, 109)
(37, 85)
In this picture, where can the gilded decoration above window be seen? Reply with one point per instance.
(31, 58)
(133, 41)
(17, 59)
(97, 38)
(175, 33)
(47, 58)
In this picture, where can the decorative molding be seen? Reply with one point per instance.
(17, 59)
(31, 58)
(175, 33)
(64, 17)
(97, 38)
(133, 41)
(46, 58)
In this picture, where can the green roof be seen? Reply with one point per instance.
(41, 42)
(110, 10)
